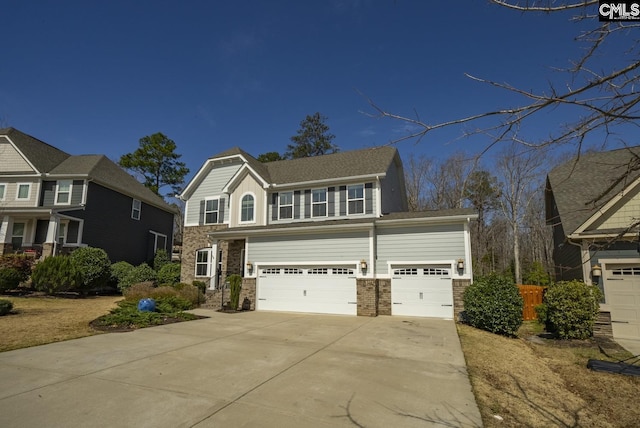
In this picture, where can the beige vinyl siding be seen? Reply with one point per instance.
(12, 161)
(210, 187)
(326, 247)
(248, 185)
(11, 193)
(624, 212)
(393, 197)
(420, 244)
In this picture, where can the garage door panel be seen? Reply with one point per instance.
(423, 292)
(622, 290)
(311, 289)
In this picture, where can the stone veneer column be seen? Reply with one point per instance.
(47, 250)
(384, 297)
(5, 248)
(459, 285)
(367, 296)
(248, 291)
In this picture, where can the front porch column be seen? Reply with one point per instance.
(49, 244)
(586, 262)
(4, 228)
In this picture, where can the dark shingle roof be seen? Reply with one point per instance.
(580, 187)
(105, 172)
(353, 163)
(42, 155)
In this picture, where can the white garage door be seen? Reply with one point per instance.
(317, 289)
(622, 291)
(422, 292)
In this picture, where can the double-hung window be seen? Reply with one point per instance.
(3, 191)
(24, 191)
(355, 199)
(203, 262)
(246, 209)
(319, 203)
(285, 205)
(63, 192)
(136, 209)
(211, 211)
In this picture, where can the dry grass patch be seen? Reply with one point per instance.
(546, 384)
(40, 320)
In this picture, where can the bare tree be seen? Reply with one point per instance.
(417, 172)
(599, 99)
(521, 175)
(447, 182)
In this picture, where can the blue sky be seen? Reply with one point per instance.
(96, 76)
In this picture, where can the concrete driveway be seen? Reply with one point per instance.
(247, 369)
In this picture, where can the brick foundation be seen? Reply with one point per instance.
(384, 297)
(215, 299)
(602, 326)
(367, 292)
(459, 285)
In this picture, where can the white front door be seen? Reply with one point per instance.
(314, 289)
(422, 291)
(622, 293)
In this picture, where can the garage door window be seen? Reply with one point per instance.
(627, 271)
(342, 271)
(292, 271)
(318, 271)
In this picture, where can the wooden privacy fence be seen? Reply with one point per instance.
(532, 296)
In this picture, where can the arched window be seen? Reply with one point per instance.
(246, 209)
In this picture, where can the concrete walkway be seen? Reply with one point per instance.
(632, 346)
(250, 369)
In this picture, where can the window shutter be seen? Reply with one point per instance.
(221, 206)
(331, 200)
(296, 204)
(201, 214)
(368, 198)
(307, 203)
(343, 200)
(274, 206)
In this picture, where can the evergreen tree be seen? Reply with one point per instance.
(313, 139)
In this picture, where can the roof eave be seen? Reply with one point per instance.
(345, 179)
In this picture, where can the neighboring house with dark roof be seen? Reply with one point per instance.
(593, 205)
(52, 202)
(325, 234)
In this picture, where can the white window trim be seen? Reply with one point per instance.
(155, 242)
(55, 200)
(357, 199)
(253, 220)
(325, 203)
(218, 219)
(287, 205)
(64, 223)
(209, 263)
(4, 186)
(18, 198)
(134, 209)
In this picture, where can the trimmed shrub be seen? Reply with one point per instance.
(172, 304)
(200, 285)
(140, 273)
(570, 309)
(235, 285)
(160, 259)
(19, 262)
(9, 279)
(118, 272)
(93, 266)
(55, 274)
(493, 303)
(187, 293)
(5, 306)
(169, 274)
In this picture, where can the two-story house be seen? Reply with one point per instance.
(52, 202)
(325, 234)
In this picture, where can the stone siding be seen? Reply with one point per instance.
(602, 327)
(367, 292)
(195, 238)
(459, 285)
(384, 297)
(248, 292)
(215, 299)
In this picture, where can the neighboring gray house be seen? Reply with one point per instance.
(325, 234)
(53, 202)
(593, 205)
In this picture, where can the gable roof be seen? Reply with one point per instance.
(41, 155)
(354, 163)
(54, 162)
(582, 186)
(105, 172)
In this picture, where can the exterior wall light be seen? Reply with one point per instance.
(460, 264)
(363, 264)
(249, 266)
(596, 271)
